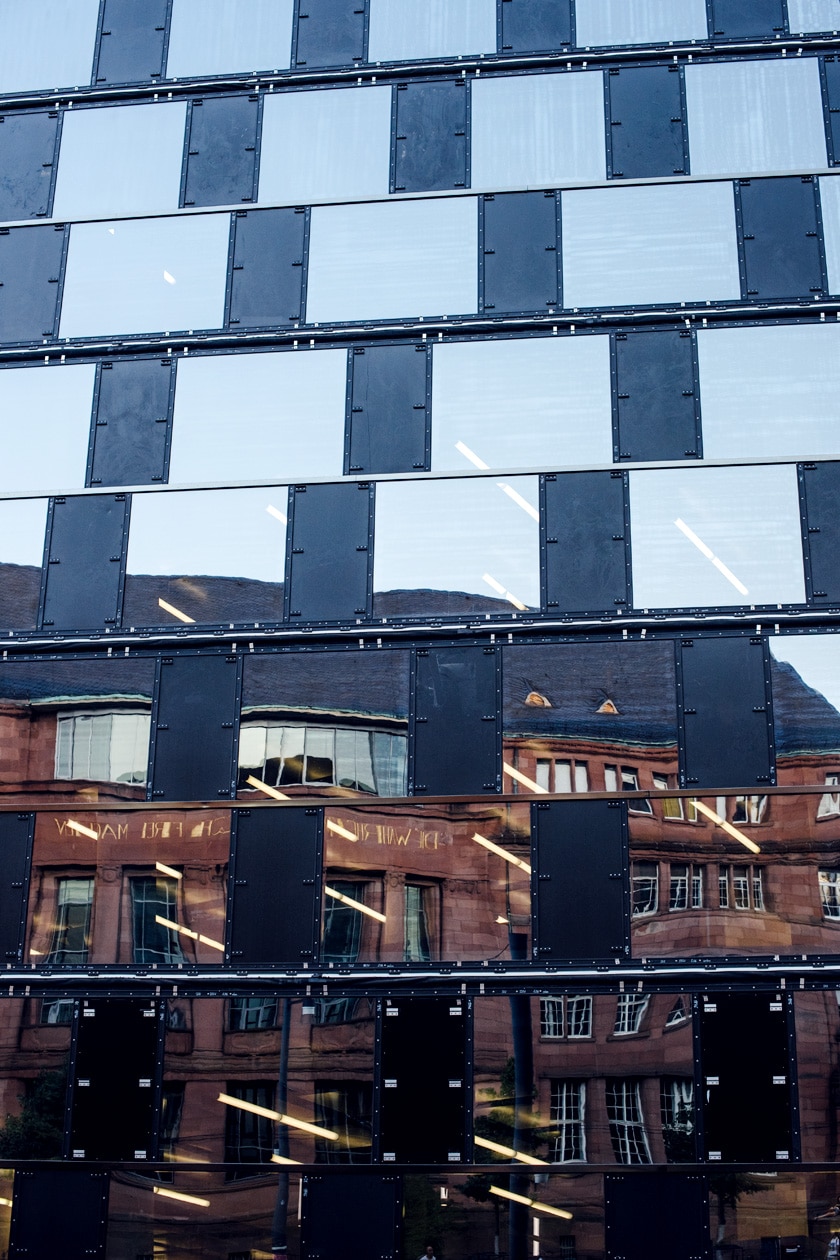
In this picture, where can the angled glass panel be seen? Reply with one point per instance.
(644, 245)
(433, 864)
(23, 523)
(324, 724)
(384, 261)
(228, 37)
(605, 22)
(830, 205)
(295, 409)
(805, 677)
(33, 1121)
(47, 43)
(145, 275)
(530, 129)
(206, 556)
(75, 730)
(813, 15)
(45, 427)
(403, 30)
(325, 145)
(122, 159)
(558, 387)
(746, 116)
(572, 712)
(770, 391)
(165, 906)
(456, 546)
(716, 536)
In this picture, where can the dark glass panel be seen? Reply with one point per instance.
(130, 434)
(520, 256)
(84, 562)
(726, 728)
(535, 25)
(273, 907)
(658, 410)
(646, 132)
(268, 267)
(27, 154)
(329, 574)
(221, 158)
(113, 1109)
(330, 32)
(131, 44)
(30, 272)
(738, 19)
(389, 414)
(781, 240)
(34, 1077)
(431, 136)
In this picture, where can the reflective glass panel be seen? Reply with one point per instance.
(328, 1080)
(817, 1020)
(47, 43)
(325, 723)
(294, 404)
(600, 1066)
(746, 116)
(128, 888)
(770, 391)
(805, 677)
(640, 245)
(75, 729)
(45, 426)
(558, 387)
(403, 30)
(327, 145)
(23, 523)
(382, 261)
(716, 536)
(606, 22)
(122, 159)
(813, 15)
(228, 36)
(145, 275)
(529, 129)
(421, 871)
(207, 556)
(830, 206)
(35, 1081)
(572, 713)
(456, 546)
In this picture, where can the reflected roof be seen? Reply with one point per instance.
(803, 719)
(372, 683)
(45, 681)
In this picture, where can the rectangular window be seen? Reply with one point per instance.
(629, 1013)
(627, 780)
(364, 761)
(71, 934)
(345, 1107)
(674, 808)
(676, 1095)
(741, 888)
(627, 1124)
(749, 809)
(829, 806)
(686, 887)
(579, 1016)
(645, 888)
(342, 922)
(568, 1116)
(830, 894)
(248, 1014)
(419, 915)
(108, 747)
(551, 1017)
(154, 919)
(568, 776)
(57, 1011)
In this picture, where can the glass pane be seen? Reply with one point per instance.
(813, 15)
(640, 245)
(23, 523)
(383, 261)
(605, 22)
(817, 1017)
(328, 145)
(770, 391)
(125, 159)
(805, 673)
(294, 405)
(403, 30)
(444, 896)
(456, 546)
(145, 275)
(531, 129)
(557, 387)
(716, 536)
(45, 427)
(47, 43)
(593, 702)
(228, 36)
(755, 116)
(150, 883)
(289, 700)
(35, 1083)
(75, 729)
(830, 206)
(210, 556)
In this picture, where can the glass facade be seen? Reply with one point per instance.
(420, 686)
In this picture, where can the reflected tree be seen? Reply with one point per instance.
(37, 1132)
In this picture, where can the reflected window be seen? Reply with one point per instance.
(249, 1138)
(678, 1013)
(551, 1017)
(250, 1014)
(626, 780)
(830, 894)
(71, 934)
(154, 919)
(676, 1097)
(110, 747)
(566, 1016)
(627, 1122)
(686, 891)
(346, 1107)
(562, 775)
(420, 913)
(645, 888)
(568, 1120)
(57, 1010)
(829, 806)
(749, 809)
(674, 808)
(171, 1111)
(343, 922)
(629, 1013)
(741, 888)
(366, 761)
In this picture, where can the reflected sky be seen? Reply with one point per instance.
(638, 21)
(47, 43)
(816, 659)
(830, 207)
(403, 30)
(22, 526)
(45, 426)
(228, 36)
